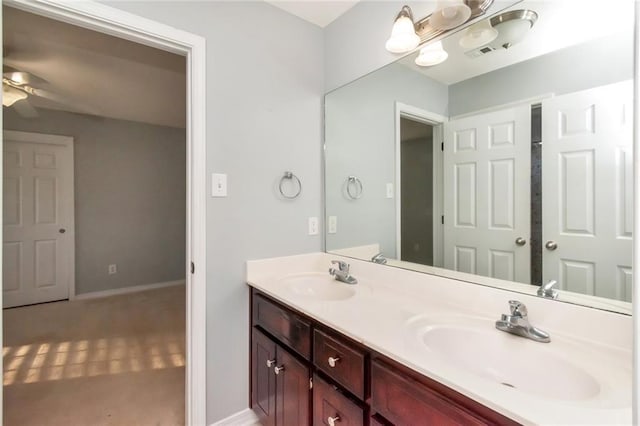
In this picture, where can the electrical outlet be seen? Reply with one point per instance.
(333, 224)
(313, 226)
(113, 269)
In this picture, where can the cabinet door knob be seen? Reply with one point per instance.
(333, 420)
(551, 245)
(62, 230)
(277, 370)
(270, 363)
(333, 361)
(520, 241)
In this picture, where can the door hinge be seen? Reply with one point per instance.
(442, 147)
(310, 383)
(442, 219)
(193, 268)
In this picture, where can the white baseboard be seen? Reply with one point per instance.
(245, 417)
(125, 290)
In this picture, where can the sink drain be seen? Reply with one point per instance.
(507, 384)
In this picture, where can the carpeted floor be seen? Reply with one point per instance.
(110, 361)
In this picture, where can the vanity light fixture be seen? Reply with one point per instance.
(450, 14)
(479, 34)
(11, 95)
(403, 35)
(408, 34)
(432, 54)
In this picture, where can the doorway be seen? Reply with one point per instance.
(113, 21)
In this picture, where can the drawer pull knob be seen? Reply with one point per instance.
(277, 370)
(333, 420)
(271, 363)
(333, 361)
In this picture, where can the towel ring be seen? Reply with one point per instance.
(292, 177)
(354, 187)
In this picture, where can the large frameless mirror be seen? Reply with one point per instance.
(509, 164)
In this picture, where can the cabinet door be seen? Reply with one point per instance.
(292, 390)
(263, 380)
(331, 407)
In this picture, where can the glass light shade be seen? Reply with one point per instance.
(403, 36)
(432, 54)
(449, 14)
(511, 32)
(479, 34)
(11, 95)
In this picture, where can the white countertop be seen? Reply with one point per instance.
(390, 305)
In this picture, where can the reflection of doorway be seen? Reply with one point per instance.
(419, 197)
(416, 183)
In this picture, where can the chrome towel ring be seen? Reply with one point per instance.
(354, 187)
(293, 178)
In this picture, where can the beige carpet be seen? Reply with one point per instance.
(110, 361)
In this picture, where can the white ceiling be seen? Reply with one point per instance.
(319, 12)
(560, 24)
(101, 74)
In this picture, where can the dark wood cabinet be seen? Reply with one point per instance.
(340, 361)
(279, 385)
(332, 408)
(352, 384)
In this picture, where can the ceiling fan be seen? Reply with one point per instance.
(19, 86)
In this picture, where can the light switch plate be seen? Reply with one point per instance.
(218, 185)
(390, 190)
(313, 226)
(333, 225)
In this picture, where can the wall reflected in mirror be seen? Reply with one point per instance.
(509, 164)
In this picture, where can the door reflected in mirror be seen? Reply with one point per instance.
(509, 164)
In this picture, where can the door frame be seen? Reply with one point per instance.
(67, 142)
(437, 122)
(116, 22)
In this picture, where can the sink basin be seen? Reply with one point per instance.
(508, 360)
(318, 286)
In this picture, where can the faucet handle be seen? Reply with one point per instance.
(342, 266)
(548, 290)
(518, 309)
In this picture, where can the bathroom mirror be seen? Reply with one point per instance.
(509, 164)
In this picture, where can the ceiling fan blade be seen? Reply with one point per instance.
(25, 109)
(61, 99)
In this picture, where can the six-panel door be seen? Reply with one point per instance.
(38, 226)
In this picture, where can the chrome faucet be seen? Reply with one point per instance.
(548, 291)
(379, 258)
(342, 273)
(518, 323)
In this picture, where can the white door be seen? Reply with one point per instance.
(587, 187)
(486, 197)
(38, 239)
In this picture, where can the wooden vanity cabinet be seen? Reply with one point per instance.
(350, 381)
(280, 393)
(403, 397)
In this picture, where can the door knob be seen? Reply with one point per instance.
(62, 230)
(520, 241)
(270, 363)
(277, 370)
(551, 245)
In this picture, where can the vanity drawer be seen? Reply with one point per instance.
(329, 402)
(283, 324)
(404, 401)
(339, 361)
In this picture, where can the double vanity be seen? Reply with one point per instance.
(401, 347)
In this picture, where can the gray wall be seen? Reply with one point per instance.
(360, 141)
(129, 197)
(603, 61)
(264, 116)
